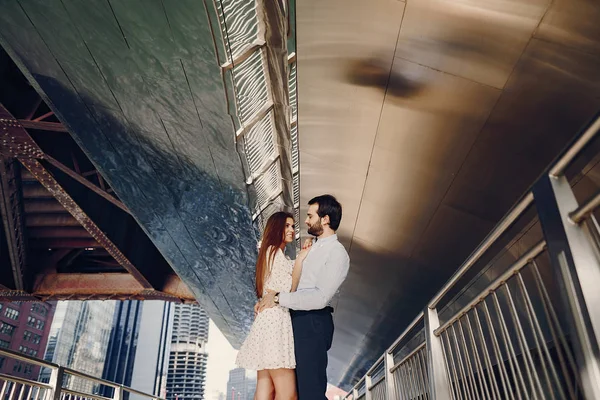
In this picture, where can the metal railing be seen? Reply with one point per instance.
(533, 330)
(19, 388)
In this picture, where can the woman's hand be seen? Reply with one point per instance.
(307, 243)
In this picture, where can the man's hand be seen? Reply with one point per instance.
(267, 301)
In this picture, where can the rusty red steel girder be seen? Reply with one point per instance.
(16, 142)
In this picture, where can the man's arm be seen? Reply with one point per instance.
(328, 282)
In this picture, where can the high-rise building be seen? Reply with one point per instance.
(152, 363)
(240, 386)
(187, 361)
(24, 327)
(79, 338)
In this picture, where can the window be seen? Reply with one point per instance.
(33, 352)
(39, 325)
(39, 308)
(27, 369)
(37, 339)
(4, 344)
(18, 367)
(7, 329)
(31, 321)
(27, 336)
(1, 362)
(23, 349)
(12, 313)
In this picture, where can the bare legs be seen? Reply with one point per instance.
(278, 384)
(284, 381)
(264, 386)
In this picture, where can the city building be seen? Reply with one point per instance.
(24, 327)
(151, 361)
(187, 362)
(79, 338)
(240, 386)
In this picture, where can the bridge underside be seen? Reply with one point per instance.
(427, 119)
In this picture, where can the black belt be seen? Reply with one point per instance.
(326, 310)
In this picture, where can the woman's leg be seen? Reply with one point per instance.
(284, 381)
(264, 386)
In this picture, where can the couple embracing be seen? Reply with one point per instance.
(293, 328)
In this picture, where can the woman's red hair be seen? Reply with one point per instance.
(272, 239)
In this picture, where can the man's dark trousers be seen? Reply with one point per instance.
(313, 334)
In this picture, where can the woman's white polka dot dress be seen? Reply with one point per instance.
(270, 343)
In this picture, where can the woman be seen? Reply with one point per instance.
(269, 348)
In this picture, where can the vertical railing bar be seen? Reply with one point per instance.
(457, 387)
(423, 363)
(419, 373)
(554, 325)
(406, 388)
(487, 358)
(470, 372)
(512, 357)
(12, 391)
(532, 376)
(424, 383)
(399, 385)
(411, 380)
(541, 343)
(506, 385)
(476, 356)
(21, 391)
(448, 371)
(460, 364)
(3, 389)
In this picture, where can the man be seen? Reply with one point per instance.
(323, 271)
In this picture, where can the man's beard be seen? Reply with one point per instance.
(316, 229)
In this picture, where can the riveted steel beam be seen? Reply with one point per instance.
(48, 181)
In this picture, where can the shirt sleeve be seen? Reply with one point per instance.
(329, 280)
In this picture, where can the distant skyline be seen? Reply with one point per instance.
(221, 360)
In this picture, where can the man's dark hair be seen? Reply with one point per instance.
(328, 205)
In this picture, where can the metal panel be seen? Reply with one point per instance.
(479, 40)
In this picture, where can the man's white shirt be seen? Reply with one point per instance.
(323, 271)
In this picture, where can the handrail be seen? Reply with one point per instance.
(377, 382)
(24, 381)
(564, 161)
(30, 360)
(513, 269)
(408, 356)
(20, 357)
(502, 226)
(415, 321)
(375, 365)
(84, 395)
(585, 209)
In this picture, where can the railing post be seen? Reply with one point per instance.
(388, 360)
(439, 386)
(368, 383)
(577, 267)
(354, 393)
(56, 381)
(118, 393)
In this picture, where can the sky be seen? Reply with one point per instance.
(221, 360)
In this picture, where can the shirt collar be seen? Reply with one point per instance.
(327, 239)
